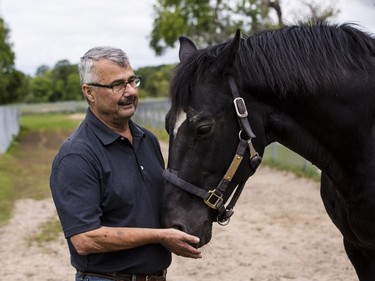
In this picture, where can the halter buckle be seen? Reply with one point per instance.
(240, 106)
(213, 200)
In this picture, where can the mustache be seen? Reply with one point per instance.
(127, 100)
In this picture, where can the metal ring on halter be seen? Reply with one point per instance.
(239, 135)
(224, 222)
(240, 138)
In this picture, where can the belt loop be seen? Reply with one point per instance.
(80, 275)
(134, 277)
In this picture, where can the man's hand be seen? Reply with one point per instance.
(180, 243)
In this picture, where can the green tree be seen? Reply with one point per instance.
(58, 89)
(318, 12)
(213, 21)
(11, 80)
(155, 80)
(65, 77)
(17, 86)
(40, 90)
(63, 69)
(73, 88)
(205, 21)
(42, 70)
(55, 84)
(6, 52)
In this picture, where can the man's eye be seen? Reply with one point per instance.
(118, 84)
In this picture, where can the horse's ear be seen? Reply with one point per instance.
(225, 59)
(187, 48)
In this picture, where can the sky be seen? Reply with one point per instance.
(44, 32)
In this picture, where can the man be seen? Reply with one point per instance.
(106, 182)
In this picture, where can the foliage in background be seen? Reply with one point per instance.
(13, 83)
(155, 80)
(62, 83)
(206, 22)
(57, 84)
(214, 21)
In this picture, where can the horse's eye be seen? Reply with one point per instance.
(203, 130)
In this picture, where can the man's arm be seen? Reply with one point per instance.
(108, 239)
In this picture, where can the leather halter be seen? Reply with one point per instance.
(214, 198)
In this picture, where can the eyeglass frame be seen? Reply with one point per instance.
(125, 83)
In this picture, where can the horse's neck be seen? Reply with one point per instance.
(294, 135)
(324, 132)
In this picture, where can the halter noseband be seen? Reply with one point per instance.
(214, 198)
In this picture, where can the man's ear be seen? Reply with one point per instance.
(88, 93)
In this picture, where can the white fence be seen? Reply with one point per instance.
(9, 126)
(151, 112)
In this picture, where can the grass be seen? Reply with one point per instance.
(25, 167)
(280, 157)
(160, 133)
(48, 232)
(42, 122)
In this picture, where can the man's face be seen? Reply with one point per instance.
(112, 108)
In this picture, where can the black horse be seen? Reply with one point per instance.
(310, 87)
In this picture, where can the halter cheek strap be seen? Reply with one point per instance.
(242, 114)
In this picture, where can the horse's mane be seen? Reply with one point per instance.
(293, 60)
(297, 60)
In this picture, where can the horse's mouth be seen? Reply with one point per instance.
(205, 234)
(203, 242)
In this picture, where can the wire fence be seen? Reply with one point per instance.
(151, 113)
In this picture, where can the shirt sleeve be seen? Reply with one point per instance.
(76, 191)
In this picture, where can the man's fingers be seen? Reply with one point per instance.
(192, 239)
(190, 252)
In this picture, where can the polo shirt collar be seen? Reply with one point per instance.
(105, 134)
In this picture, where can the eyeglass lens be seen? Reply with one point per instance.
(120, 88)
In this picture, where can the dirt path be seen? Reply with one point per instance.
(279, 232)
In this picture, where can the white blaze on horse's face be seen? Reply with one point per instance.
(180, 119)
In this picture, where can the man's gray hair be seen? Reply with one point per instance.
(86, 66)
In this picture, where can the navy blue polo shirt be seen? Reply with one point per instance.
(99, 179)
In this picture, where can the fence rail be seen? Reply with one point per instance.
(9, 126)
(150, 113)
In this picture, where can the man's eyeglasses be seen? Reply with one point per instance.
(119, 87)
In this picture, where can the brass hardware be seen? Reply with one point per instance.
(217, 200)
(233, 167)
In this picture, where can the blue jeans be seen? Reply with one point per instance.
(81, 277)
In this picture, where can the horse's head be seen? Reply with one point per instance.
(207, 139)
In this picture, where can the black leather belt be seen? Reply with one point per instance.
(119, 276)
